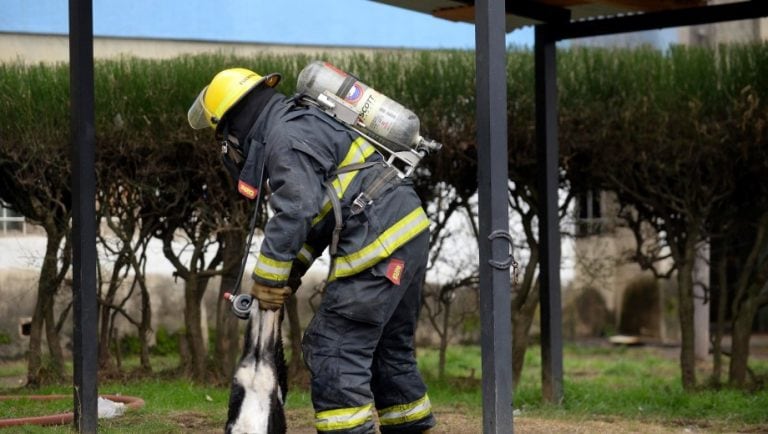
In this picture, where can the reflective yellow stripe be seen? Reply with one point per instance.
(272, 269)
(404, 413)
(383, 246)
(358, 152)
(306, 255)
(343, 418)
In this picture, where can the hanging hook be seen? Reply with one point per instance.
(509, 261)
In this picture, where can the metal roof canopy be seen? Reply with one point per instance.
(554, 20)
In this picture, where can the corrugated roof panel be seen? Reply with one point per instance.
(580, 9)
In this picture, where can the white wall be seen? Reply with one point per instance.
(33, 48)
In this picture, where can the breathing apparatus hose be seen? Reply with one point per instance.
(241, 303)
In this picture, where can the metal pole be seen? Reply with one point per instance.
(494, 242)
(85, 353)
(549, 228)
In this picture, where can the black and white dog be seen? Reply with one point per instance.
(260, 382)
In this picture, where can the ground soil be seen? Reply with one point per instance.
(300, 422)
(451, 421)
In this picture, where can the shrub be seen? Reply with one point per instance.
(165, 343)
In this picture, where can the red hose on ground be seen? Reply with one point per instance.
(60, 418)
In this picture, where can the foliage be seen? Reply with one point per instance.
(129, 344)
(630, 120)
(166, 343)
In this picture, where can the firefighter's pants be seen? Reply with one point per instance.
(359, 348)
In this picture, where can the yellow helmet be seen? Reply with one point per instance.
(225, 90)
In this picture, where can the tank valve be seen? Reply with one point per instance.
(241, 304)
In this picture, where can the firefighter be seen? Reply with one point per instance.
(359, 347)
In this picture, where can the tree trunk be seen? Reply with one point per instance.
(104, 335)
(138, 262)
(106, 322)
(54, 344)
(296, 368)
(34, 355)
(194, 288)
(521, 327)
(524, 304)
(445, 299)
(701, 301)
(719, 258)
(685, 301)
(741, 334)
(145, 326)
(118, 352)
(46, 289)
(226, 344)
(750, 296)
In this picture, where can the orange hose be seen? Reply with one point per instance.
(60, 418)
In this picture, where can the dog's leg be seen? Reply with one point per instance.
(258, 390)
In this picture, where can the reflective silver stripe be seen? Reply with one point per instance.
(272, 269)
(343, 418)
(359, 150)
(404, 413)
(383, 246)
(306, 255)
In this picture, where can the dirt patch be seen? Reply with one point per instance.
(548, 426)
(457, 422)
(12, 382)
(191, 421)
(300, 421)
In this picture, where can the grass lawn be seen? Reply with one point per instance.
(607, 389)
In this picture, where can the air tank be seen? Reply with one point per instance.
(377, 113)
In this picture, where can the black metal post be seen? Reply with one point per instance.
(549, 228)
(83, 216)
(495, 308)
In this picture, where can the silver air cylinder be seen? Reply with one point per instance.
(378, 114)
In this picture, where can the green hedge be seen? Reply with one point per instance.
(605, 94)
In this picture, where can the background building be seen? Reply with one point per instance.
(711, 35)
(601, 240)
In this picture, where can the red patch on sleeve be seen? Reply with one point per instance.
(247, 190)
(395, 270)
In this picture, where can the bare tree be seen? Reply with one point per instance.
(34, 180)
(452, 266)
(183, 194)
(126, 243)
(739, 231)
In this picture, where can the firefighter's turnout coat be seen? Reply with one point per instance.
(359, 345)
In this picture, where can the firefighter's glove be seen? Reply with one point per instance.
(270, 297)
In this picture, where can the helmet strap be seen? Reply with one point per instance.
(227, 154)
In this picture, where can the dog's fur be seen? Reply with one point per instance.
(259, 385)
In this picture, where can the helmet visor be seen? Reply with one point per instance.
(198, 116)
